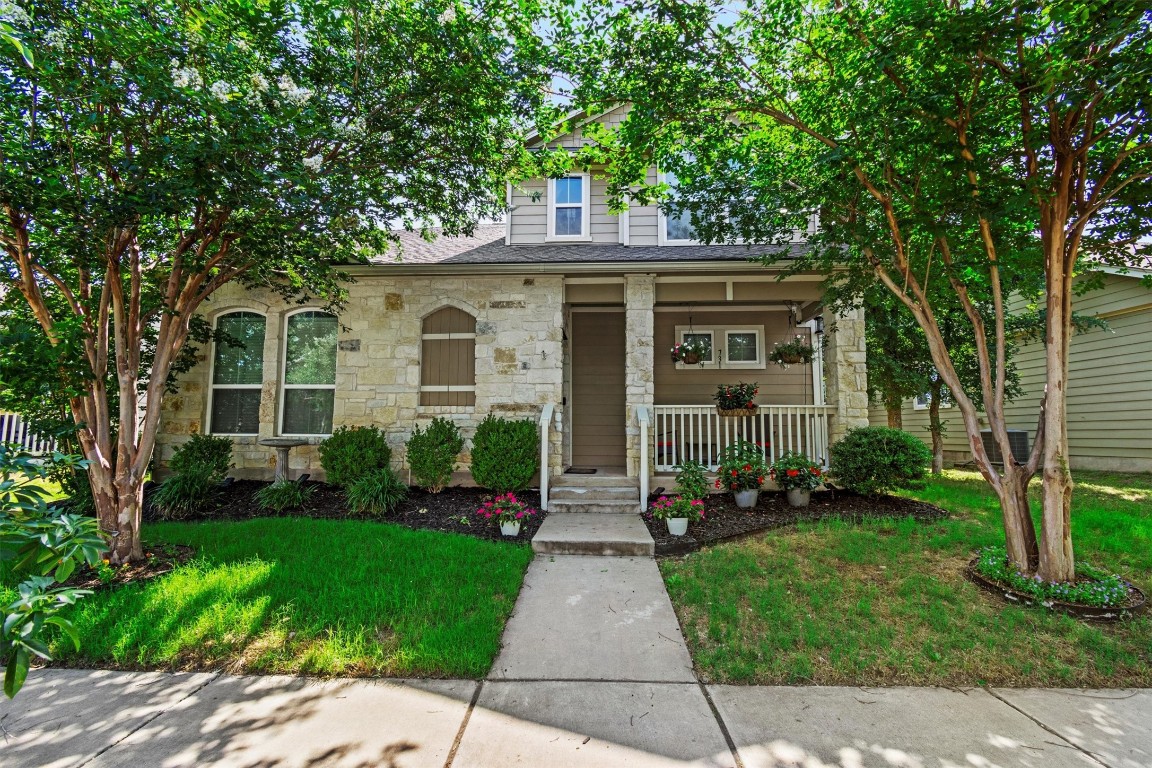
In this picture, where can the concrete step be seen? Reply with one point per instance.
(595, 506)
(608, 493)
(576, 534)
(594, 481)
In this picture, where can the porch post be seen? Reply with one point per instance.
(639, 359)
(846, 370)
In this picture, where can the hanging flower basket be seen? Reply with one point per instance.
(737, 411)
(792, 352)
(689, 352)
(736, 399)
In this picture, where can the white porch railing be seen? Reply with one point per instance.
(14, 430)
(698, 433)
(545, 430)
(645, 422)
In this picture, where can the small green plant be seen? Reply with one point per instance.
(203, 451)
(736, 397)
(354, 452)
(742, 467)
(284, 495)
(505, 454)
(432, 454)
(692, 479)
(1093, 586)
(665, 508)
(791, 352)
(874, 460)
(187, 492)
(105, 572)
(505, 508)
(795, 470)
(376, 493)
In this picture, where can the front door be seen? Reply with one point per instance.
(598, 390)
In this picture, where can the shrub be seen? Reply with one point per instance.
(872, 460)
(283, 495)
(795, 470)
(504, 454)
(432, 454)
(692, 479)
(742, 467)
(182, 494)
(376, 493)
(354, 452)
(214, 454)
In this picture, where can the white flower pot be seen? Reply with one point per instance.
(799, 497)
(677, 526)
(747, 499)
(510, 529)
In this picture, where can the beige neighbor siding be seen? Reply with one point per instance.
(1109, 393)
(598, 389)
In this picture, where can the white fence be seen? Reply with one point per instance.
(14, 430)
(698, 433)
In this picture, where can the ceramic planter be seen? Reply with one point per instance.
(510, 529)
(677, 526)
(747, 499)
(799, 497)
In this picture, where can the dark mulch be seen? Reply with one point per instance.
(158, 560)
(453, 510)
(723, 520)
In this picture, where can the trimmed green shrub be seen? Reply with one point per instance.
(376, 493)
(182, 494)
(505, 454)
(873, 460)
(692, 479)
(284, 495)
(214, 454)
(432, 454)
(353, 452)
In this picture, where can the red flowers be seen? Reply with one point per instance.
(793, 473)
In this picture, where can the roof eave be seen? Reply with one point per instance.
(558, 268)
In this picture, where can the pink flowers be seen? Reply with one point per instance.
(505, 508)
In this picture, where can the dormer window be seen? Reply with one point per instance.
(568, 208)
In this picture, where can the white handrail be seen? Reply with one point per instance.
(545, 429)
(642, 417)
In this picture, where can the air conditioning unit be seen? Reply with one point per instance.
(1017, 441)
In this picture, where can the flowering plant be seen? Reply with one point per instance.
(795, 351)
(742, 467)
(795, 470)
(505, 508)
(731, 397)
(695, 347)
(677, 506)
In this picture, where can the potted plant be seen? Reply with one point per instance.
(742, 470)
(798, 475)
(677, 512)
(689, 352)
(736, 399)
(791, 352)
(508, 511)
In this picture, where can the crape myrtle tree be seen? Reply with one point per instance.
(991, 147)
(156, 151)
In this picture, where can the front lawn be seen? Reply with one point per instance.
(295, 595)
(885, 602)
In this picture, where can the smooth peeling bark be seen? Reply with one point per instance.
(937, 431)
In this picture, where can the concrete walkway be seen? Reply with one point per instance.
(154, 720)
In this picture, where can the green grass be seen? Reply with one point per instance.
(886, 602)
(323, 597)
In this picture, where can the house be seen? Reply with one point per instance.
(1109, 391)
(565, 313)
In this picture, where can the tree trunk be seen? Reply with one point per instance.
(1019, 529)
(936, 429)
(895, 417)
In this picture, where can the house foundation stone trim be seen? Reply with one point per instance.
(846, 371)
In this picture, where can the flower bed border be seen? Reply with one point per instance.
(1137, 599)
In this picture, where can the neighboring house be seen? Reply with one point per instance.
(564, 310)
(1109, 391)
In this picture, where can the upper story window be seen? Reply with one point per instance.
(568, 208)
(309, 373)
(237, 374)
(448, 358)
(676, 228)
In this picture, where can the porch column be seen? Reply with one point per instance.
(846, 371)
(639, 358)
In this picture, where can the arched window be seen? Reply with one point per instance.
(309, 373)
(237, 374)
(448, 358)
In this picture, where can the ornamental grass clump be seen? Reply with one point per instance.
(742, 467)
(284, 495)
(504, 509)
(668, 508)
(794, 470)
(1092, 586)
(376, 493)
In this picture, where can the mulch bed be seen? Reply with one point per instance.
(724, 521)
(158, 560)
(453, 510)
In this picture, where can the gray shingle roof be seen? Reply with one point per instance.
(487, 246)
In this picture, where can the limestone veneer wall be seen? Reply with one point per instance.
(519, 353)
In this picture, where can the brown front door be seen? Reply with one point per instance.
(598, 389)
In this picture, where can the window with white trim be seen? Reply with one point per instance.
(568, 207)
(923, 401)
(237, 374)
(309, 373)
(448, 358)
(726, 347)
(676, 229)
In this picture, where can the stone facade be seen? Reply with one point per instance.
(519, 339)
(846, 371)
(639, 360)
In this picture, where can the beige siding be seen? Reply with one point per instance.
(597, 407)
